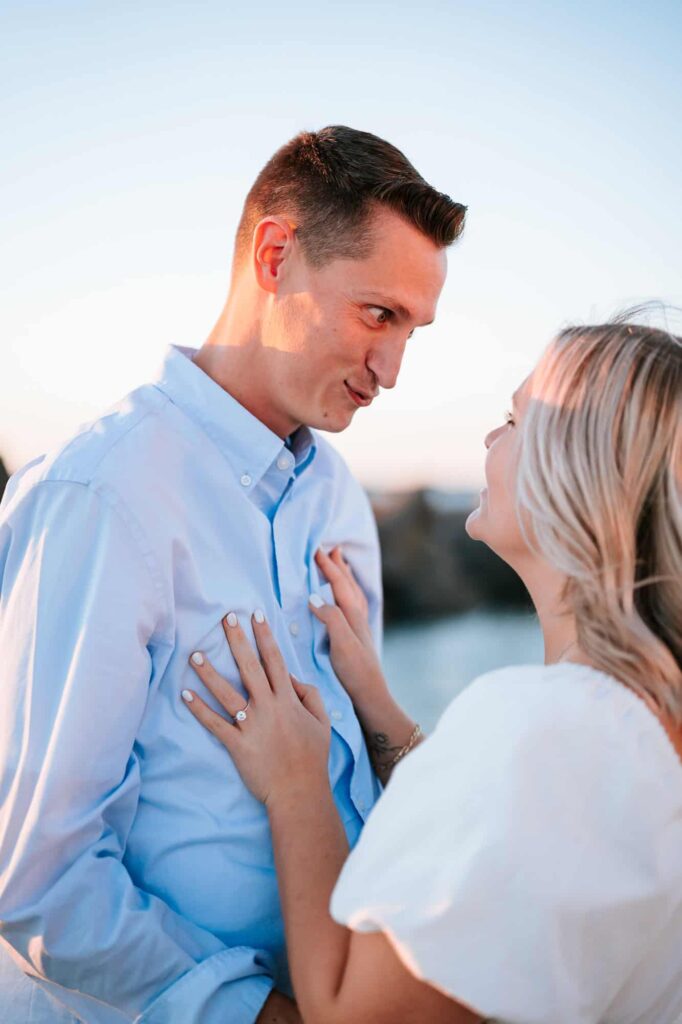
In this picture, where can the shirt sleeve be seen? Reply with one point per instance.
(516, 859)
(79, 614)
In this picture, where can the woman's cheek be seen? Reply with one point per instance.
(494, 466)
(500, 478)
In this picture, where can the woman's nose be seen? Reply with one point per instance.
(490, 437)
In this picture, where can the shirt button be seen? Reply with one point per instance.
(282, 462)
(361, 807)
(294, 628)
(245, 480)
(337, 715)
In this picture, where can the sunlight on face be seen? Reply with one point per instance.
(338, 334)
(495, 520)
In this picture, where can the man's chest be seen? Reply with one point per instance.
(226, 555)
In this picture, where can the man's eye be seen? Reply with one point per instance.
(509, 418)
(382, 315)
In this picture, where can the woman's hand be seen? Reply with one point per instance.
(282, 742)
(387, 728)
(351, 646)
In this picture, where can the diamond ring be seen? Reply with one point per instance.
(241, 715)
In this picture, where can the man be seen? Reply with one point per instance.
(136, 872)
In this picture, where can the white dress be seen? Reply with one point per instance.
(527, 858)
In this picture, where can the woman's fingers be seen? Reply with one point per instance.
(337, 558)
(298, 686)
(223, 730)
(348, 593)
(271, 656)
(250, 669)
(329, 567)
(226, 695)
(311, 700)
(340, 575)
(338, 627)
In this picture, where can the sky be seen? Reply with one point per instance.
(133, 131)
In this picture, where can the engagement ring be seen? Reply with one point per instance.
(241, 715)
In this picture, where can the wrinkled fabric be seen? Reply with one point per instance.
(527, 858)
(136, 871)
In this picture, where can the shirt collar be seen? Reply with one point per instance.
(248, 445)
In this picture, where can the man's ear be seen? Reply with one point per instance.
(273, 242)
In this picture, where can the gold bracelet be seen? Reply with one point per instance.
(416, 735)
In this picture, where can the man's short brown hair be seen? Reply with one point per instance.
(330, 182)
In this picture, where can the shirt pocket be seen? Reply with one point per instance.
(215, 648)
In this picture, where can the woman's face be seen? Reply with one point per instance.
(495, 520)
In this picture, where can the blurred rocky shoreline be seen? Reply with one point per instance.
(431, 568)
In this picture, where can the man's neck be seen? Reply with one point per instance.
(237, 372)
(232, 357)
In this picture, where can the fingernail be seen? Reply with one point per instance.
(258, 615)
(316, 601)
(186, 695)
(198, 658)
(231, 619)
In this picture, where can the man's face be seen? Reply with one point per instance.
(334, 336)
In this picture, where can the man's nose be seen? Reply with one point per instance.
(384, 360)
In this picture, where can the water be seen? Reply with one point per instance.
(429, 663)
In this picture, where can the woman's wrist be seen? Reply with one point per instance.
(373, 699)
(294, 791)
(387, 748)
(389, 732)
(378, 710)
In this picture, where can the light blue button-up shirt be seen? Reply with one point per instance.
(136, 871)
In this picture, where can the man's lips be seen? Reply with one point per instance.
(359, 397)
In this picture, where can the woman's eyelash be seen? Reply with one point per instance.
(509, 417)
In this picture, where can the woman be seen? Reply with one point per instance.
(525, 864)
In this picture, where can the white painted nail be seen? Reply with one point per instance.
(198, 658)
(186, 695)
(316, 601)
(232, 619)
(258, 615)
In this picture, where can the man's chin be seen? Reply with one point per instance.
(333, 423)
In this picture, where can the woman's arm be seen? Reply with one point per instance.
(388, 729)
(339, 976)
(281, 749)
(390, 733)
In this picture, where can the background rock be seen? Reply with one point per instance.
(430, 565)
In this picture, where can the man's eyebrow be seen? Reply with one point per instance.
(403, 311)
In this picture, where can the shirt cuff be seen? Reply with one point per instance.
(217, 991)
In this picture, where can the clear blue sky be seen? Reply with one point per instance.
(133, 131)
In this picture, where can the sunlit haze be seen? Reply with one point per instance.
(133, 132)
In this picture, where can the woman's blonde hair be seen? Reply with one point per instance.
(600, 495)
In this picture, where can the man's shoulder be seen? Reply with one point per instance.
(100, 450)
